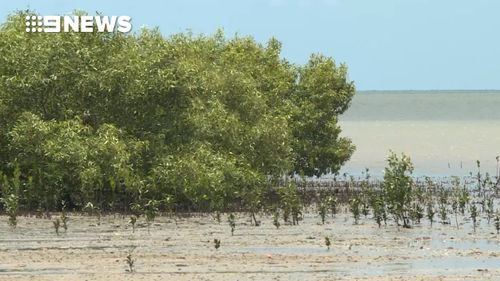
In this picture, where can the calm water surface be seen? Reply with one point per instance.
(444, 132)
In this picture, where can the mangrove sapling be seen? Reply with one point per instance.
(150, 211)
(276, 219)
(322, 211)
(430, 212)
(397, 187)
(216, 243)
(417, 213)
(290, 203)
(463, 200)
(354, 207)
(489, 208)
(11, 204)
(331, 201)
(365, 208)
(454, 207)
(57, 225)
(10, 198)
(473, 215)
(132, 221)
(64, 217)
(327, 242)
(130, 260)
(232, 222)
(379, 212)
(497, 223)
(443, 214)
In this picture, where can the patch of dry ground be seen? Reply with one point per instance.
(183, 249)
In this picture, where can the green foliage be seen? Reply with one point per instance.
(327, 242)
(150, 211)
(206, 121)
(379, 211)
(10, 196)
(497, 223)
(473, 215)
(217, 243)
(398, 186)
(130, 260)
(430, 212)
(276, 219)
(64, 217)
(132, 221)
(332, 203)
(290, 203)
(57, 225)
(322, 208)
(354, 207)
(232, 222)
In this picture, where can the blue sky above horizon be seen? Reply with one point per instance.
(387, 44)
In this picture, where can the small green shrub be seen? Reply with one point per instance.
(354, 207)
(322, 209)
(57, 225)
(217, 243)
(497, 223)
(232, 222)
(276, 218)
(132, 221)
(130, 260)
(473, 215)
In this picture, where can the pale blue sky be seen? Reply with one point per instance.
(387, 44)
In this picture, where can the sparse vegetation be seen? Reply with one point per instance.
(217, 243)
(232, 222)
(130, 260)
(57, 224)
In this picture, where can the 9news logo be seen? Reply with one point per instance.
(56, 24)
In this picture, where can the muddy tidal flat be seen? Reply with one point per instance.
(183, 249)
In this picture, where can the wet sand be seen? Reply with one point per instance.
(183, 249)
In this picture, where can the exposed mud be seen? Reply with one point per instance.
(183, 249)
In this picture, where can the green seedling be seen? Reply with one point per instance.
(64, 217)
(130, 260)
(276, 219)
(497, 224)
(354, 207)
(463, 200)
(322, 212)
(217, 243)
(11, 204)
(398, 187)
(430, 213)
(473, 216)
(132, 221)
(454, 207)
(327, 242)
(332, 204)
(489, 208)
(150, 211)
(57, 225)
(11, 196)
(443, 213)
(379, 212)
(232, 223)
(417, 213)
(365, 208)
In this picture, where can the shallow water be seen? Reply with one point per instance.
(443, 132)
